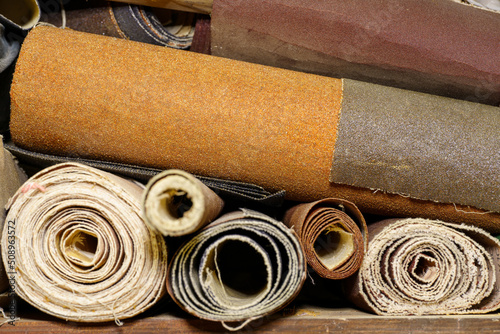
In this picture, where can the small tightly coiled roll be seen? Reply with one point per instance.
(241, 267)
(79, 249)
(417, 266)
(177, 203)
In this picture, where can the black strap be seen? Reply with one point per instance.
(240, 193)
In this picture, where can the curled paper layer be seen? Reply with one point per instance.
(80, 249)
(176, 203)
(333, 234)
(242, 266)
(417, 266)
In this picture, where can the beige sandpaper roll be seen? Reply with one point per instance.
(390, 151)
(333, 234)
(176, 203)
(418, 266)
(79, 249)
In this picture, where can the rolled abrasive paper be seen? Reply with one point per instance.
(176, 203)
(418, 266)
(414, 44)
(79, 249)
(197, 6)
(333, 234)
(142, 24)
(390, 151)
(20, 16)
(238, 193)
(241, 267)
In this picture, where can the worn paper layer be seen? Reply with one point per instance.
(11, 178)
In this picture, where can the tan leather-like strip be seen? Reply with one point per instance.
(418, 145)
(320, 226)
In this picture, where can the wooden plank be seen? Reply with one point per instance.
(294, 319)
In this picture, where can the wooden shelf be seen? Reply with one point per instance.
(297, 318)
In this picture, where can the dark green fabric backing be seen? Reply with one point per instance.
(418, 145)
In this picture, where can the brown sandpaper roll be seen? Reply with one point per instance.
(333, 234)
(89, 96)
(176, 203)
(418, 266)
(441, 47)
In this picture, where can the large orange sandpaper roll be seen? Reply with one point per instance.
(389, 151)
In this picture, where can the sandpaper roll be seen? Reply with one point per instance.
(333, 234)
(493, 5)
(417, 266)
(79, 249)
(196, 6)
(241, 267)
(444, 47)
(19, 16)
(176, 203)
(11, 179)
(390, 151)
(142, 24)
